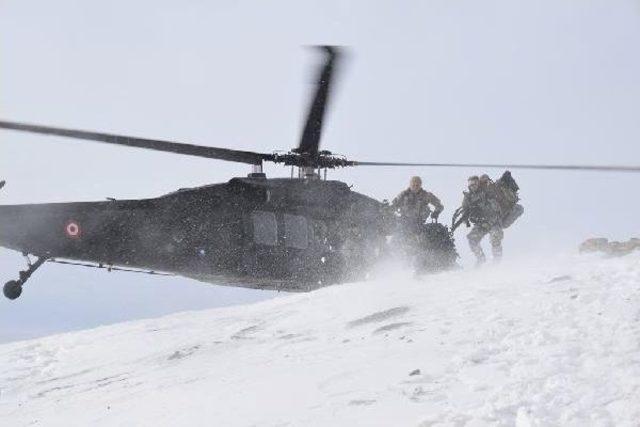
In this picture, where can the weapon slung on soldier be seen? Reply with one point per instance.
(460, 216)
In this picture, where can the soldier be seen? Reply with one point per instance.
(481, 208)
(413, 203)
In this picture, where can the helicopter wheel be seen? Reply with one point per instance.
(12, 289)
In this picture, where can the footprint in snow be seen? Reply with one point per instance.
(379, 316)
(48, 391)
(107, 381)
(243, 334)
(391, 327)
(289, 336)
(560, 279)
(182, 353)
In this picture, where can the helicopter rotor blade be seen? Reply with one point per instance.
(249, 157)
(599, 168)
(310, 140)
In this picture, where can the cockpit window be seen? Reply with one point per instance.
(265, 228)
(296, 232)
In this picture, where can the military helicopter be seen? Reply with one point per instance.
(291, 234)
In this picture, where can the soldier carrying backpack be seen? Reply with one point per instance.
(490, 207)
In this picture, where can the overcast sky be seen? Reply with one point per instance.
(465, 81)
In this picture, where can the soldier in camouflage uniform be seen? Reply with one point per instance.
(484, 213)
(414, 203)
(426, 246)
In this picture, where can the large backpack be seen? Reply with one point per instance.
(507, 189)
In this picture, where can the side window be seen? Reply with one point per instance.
(265, 228)
(319, 232)
(296, 233)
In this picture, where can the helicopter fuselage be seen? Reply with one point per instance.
(285, 234)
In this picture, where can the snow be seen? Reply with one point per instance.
(551, 341)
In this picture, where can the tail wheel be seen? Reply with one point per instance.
(12, 289)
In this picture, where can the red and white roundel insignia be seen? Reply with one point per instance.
(72, 229)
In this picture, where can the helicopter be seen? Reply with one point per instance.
(290, 234)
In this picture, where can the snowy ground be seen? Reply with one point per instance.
(546, 342)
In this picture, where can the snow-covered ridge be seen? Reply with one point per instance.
(547, 342)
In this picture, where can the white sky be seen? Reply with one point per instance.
(493, 81)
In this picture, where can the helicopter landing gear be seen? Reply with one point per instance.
(13, 288)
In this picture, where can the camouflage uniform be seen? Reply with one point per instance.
(414, 206)
(484, 214)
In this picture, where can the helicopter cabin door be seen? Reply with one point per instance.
(277, 244)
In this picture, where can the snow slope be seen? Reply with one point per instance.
(543, 342)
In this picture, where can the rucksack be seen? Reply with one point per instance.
(507, 190)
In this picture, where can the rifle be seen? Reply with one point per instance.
(461, 215)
